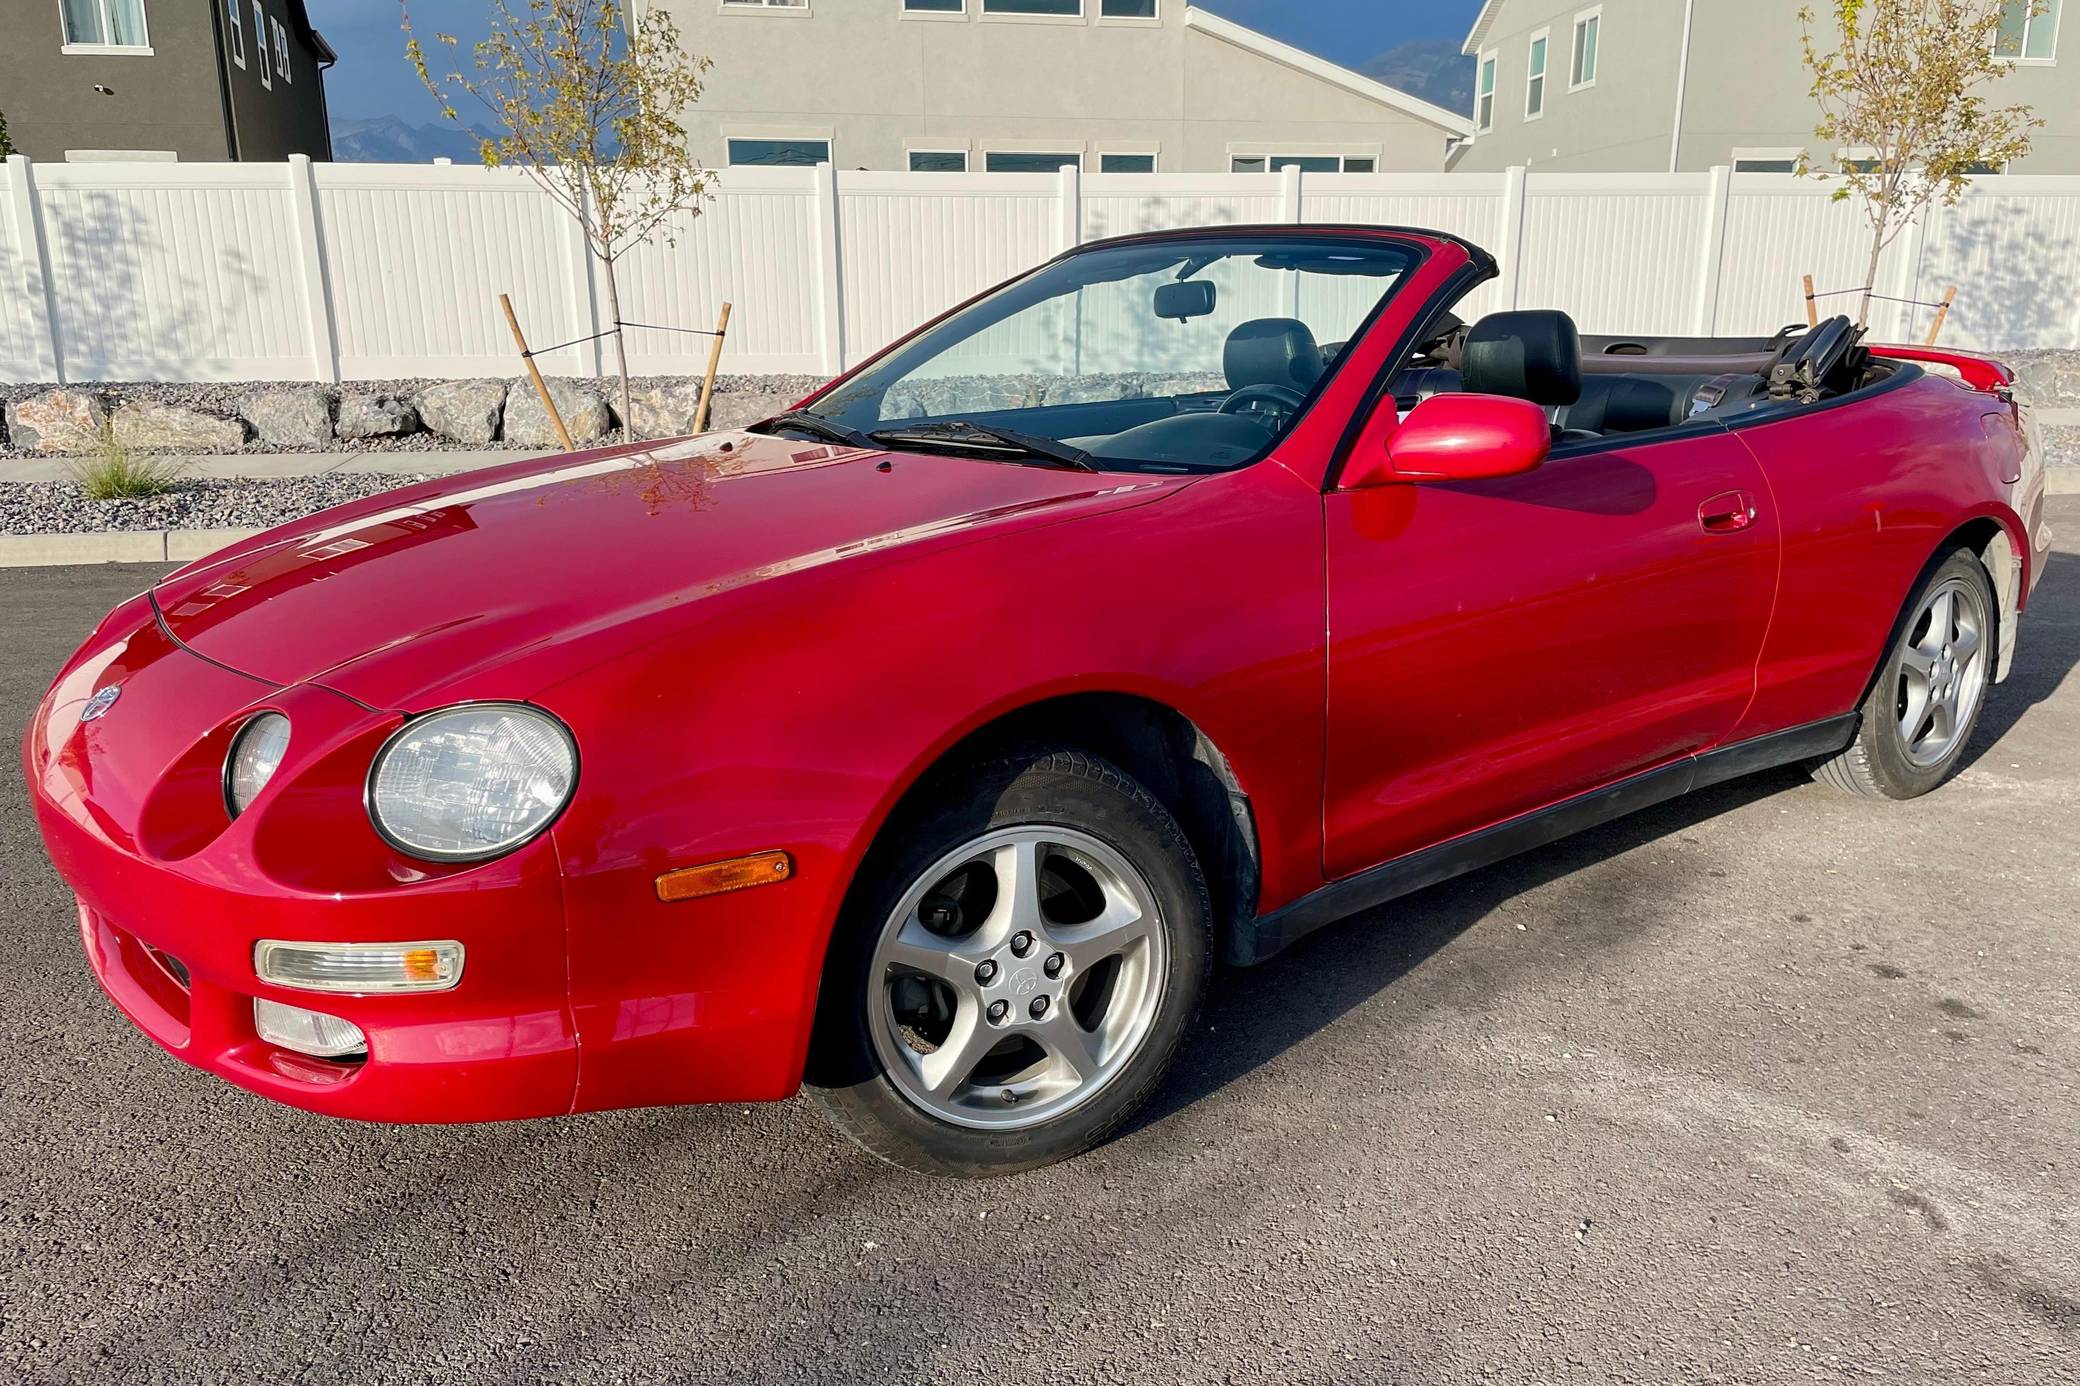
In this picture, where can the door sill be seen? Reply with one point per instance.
(1254, 940)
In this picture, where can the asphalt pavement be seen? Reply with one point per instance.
(1765, 1085)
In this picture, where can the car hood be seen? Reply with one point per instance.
(537, 569)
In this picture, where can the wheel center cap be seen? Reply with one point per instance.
(1025, 981)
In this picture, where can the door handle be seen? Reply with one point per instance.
(1729, 512)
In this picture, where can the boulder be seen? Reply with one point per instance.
(583, 409)
(665, 410)
(296, 416)
(374, 416)
(736, 410)
(464, 411)
(57, 421)
(147, 423)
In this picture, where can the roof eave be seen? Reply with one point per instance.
(1300, 60)
(1478, 34)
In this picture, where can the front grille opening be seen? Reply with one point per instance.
(171, 966)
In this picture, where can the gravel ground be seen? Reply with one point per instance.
(1766, 1085)
(57, 507)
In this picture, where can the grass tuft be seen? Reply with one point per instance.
(113, 472)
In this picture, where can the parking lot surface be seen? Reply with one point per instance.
(1765, 1085)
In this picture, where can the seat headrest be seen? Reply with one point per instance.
(1533, 354)
(1273, 351)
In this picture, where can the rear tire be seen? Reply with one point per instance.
(1926, 700)
(1014, 974)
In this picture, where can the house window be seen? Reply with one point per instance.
(1535, 77)
(1306, 163)
(1588, 27)
(765, 4)
(2029, 31)
(935, 6)
(281, 50)
(1765, 160)
(104, 24)
(1019, 161)
(938, 161)
(1126, 9)
(1073, 9)
(1484, 97)
(260, 41)
(780, 153)
(1126, 163)
(237, 22)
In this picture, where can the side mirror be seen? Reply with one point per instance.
(1461, 438)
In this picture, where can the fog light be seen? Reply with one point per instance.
(359, 967)
(308, 1032)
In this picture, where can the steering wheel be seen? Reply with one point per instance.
(1264, 404)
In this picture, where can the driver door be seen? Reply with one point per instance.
(1498, 646)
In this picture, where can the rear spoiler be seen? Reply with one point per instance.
(1982, 373)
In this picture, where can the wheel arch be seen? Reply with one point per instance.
(1989, 538)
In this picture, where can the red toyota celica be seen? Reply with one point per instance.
(928, 742)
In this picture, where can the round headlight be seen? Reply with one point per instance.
(472, 781)
(256, 753)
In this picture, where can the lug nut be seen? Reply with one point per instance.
(997, 1011)
(986, 972)
(1021, 943)
(1039, 1007)
(1054, 964)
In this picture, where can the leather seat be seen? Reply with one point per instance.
(1533, 354)
(1272, 351)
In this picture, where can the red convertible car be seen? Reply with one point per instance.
(929, 742)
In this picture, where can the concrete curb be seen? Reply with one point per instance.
(187, 545)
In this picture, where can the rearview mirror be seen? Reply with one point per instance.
(1191, 298)
(1462, 438)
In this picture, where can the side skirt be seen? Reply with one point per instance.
(1254, 940)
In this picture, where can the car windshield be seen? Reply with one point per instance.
(1189, 354)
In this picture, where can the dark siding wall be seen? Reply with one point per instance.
(289, 117)
(165, 101)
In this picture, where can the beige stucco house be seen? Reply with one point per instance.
(1631, 86)
(1118, 86)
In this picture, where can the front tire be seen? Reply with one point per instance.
(1928, 695)
(1012, 980)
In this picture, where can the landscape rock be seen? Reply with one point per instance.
(734, 411)
(149, 423)
(374, 416)
(464, 411)
(2045, 379)
(57, 421)
(665, 410)
(297, 416)
(580, 403)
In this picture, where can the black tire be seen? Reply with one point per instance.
(1050, 787)
(1877, 764)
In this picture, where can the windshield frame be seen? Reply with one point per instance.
(1418, 246)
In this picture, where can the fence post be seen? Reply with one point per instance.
(1289, 207)
(830, 303)
(37, 293)
(1509, 249)
(1070, 205)
(584, 303)
(310, 264)
(1711, 265)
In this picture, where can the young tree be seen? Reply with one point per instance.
(589, 106)
(1899, 94)
(6, 144)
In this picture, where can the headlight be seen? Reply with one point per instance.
(471, 782)
(256, 753)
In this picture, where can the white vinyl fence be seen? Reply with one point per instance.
(169, 271)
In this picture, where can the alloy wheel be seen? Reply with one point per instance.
(1942, 671)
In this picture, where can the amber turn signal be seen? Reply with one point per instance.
(718, 877)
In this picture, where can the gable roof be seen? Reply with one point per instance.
(1478, 34)
(1227, 30)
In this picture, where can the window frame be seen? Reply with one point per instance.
(281, 52)
(1145, 21)
(2029, 22)
(103, 48)
(237, 16)
(260, 42)
(1775, 154)
(1488, 65)
(1150, 152)
(1067, 154)
(1582, 19)
(1271, 160)
(1082, 15)
(1538, 81)
(798, 9)
(958, 14)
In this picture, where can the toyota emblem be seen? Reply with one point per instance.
(100, 703)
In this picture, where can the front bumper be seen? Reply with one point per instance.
(172, 900)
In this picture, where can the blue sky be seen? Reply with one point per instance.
(372, 78)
